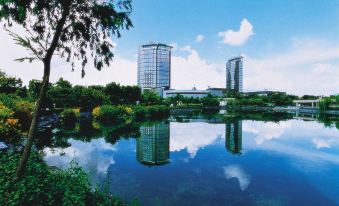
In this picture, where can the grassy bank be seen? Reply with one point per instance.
(42, 185)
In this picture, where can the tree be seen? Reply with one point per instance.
(87, 98)
(149, 97)
(11, 85)
(59, 93)
(114, 92)
(34, 87)
(68, 28)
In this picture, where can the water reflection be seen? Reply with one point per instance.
(194, 136)
(290, 162)
(234, 136)
(234, 171)
(153, 144)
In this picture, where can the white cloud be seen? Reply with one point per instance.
(238, 38)
(95, 156)
(233, 171)
(309, 67)
(320, 68)
(121, 70)
(194, 136)
(266, 131)
(322, 143)
(300, 140)
(195, 71)
(174, 46)
(199, 38)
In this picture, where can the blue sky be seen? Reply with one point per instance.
(275, 23)
(288, 45)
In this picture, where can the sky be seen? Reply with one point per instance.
(289, 45)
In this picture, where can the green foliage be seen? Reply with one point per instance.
(324, 104)
(70, 116)
(274, 99)
(210, 101)
(118, 114)
(157, 111)
(44, 186)
(5, 112)
(9, 100)
(23, 112)
(60, 94)
(10, 130)
(87, 98)
(11, 85)
(140, 112)
(34, 87)
(110, 113)
(122, 94)
(77, 25)
(149, 97)
(20, 109)
(309, 97)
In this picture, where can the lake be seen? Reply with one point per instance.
(207, 161)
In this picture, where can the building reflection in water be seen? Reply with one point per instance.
(234, 136)
(153, 144)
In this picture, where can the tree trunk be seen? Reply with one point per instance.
(47, 68)
(30, 137)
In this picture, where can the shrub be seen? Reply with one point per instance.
(109, 113)
(10, 130)
(140, 112)
(23, 111)
(70, 115)
(43, 186)
(5, 112)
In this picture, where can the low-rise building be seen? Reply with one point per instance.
(193, 93)
(263, 93)
(186, 93)
(219, 92)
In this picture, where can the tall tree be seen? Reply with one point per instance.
(74, 29)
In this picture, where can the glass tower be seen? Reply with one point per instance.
(154, 66)
(153, 144)
(234, 136)
(234, 74)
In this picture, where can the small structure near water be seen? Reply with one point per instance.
(314, 103)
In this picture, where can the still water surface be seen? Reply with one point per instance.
(197, 162)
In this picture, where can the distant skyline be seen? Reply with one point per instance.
(289, 45)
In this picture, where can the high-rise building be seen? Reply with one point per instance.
(234, 74)
(153, 144)
(154, 66)
(234, 136)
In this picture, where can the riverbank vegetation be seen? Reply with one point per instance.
(43, 185)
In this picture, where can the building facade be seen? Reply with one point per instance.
(186, 93)
(234, 136)
(153, 144)
(194, 93)
(154, 66)
(234, 74)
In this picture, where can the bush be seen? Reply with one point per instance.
(140, 112)
(109, 113)
(5, 112)
(10, 130)
(43, 186)
(23, 111)
(70, 116)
